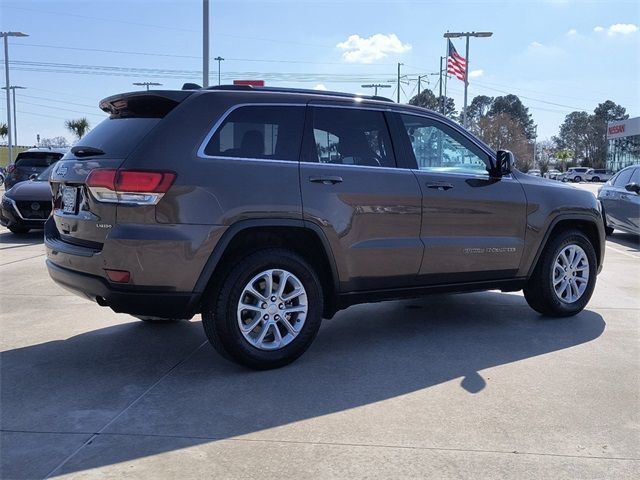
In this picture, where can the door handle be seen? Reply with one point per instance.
(440, 186)
(326, 180)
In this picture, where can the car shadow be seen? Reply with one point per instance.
(367, 354)
(630, 241)
(12, 240)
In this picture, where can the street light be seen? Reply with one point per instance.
(147, 84)
(15, 120)
(466, 65)
(219, 59)
(5, 36)
(376, 86)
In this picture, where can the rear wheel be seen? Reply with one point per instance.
(565, 276)
(267, 310)
(19, 230)
(577, 179)
(595, 179)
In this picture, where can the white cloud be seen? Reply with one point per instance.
(476, 73)
(598, 29)
(622, 29)
(366, 50)
(536, 44)
(320, 86)
(572, 32)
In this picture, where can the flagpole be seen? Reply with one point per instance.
(466, 85)
(446, 71)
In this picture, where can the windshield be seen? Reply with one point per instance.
(44, 176)
(37, 159)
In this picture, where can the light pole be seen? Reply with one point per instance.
(399, 64)
(376, 86)
(5, 36)
(205, 43)
(219, 59)
(466, 64)
(146, 84)
(15, 120)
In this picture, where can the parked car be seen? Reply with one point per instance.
(34, 160)
(620, 198)
(27, 204)
(552, 174)
(598, 175)
(268, 209)
(535, 173)
(574, 174)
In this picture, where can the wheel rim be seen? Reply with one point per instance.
(570, 274)
(272, 309)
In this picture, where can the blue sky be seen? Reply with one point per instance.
(558, 56)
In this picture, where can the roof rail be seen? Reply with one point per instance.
(298, 90)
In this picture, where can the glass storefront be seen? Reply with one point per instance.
(623, 144)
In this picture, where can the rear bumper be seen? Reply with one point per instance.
(125, 299)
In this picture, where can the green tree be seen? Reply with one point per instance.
(4, 131)
(478, 109)
(513, 106)
(604, 113)
(79, 127)
(427, 99)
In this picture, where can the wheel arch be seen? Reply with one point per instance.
(304, 238)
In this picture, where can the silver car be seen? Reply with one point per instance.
(598, 175)
(620, 198)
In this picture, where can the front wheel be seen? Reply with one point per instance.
(577, 179)
(266, 312)
(595, 179)
(565, 276)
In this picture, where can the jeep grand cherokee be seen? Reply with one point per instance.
(268, 209)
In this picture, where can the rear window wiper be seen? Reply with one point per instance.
(82, 151)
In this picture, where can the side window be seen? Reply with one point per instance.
(262, 132)
(623, 178)
(349, 136)
(635, 178)
(439, 148)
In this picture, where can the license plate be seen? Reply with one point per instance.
(69, 195)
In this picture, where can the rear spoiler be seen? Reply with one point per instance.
(154, 104)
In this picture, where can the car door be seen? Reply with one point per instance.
(473, 225)
(613, 202)
(368, 209)
(627, 208)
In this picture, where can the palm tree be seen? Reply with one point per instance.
(78, 127)
(4, 131)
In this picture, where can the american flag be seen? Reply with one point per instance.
(456, 64)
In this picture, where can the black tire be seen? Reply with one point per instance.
(595, 179)
(577, 179)
(219, 309)
(18, 230)
(539, 292)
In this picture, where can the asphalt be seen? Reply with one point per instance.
(448, 386)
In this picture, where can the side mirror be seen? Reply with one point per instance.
(632, 187)
(505, 162)
(33, 176)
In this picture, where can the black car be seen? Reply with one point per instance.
(30, 162)
(27, 205)
(267, 209)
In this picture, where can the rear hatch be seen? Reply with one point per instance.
(88, 185)
(29, 163)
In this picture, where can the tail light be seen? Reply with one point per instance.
(135, 187)
(11, 168)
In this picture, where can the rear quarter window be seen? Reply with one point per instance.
(259, 132)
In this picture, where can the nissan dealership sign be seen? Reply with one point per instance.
(624, 128)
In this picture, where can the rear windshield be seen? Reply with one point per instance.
(117, 137)
(37, 159)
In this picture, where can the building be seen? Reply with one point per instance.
(623, 143)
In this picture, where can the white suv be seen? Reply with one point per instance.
(598, 175)
(575, 174)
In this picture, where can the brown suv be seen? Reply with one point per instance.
(267, 209)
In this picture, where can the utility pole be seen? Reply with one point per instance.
(535, 146)
(15, 118)
(376, 86)
(449, 35)
(5, 36)
(146, 84)
(442, 101)
(205, 43)
(420, 77)
(219, 59)
(399, 81)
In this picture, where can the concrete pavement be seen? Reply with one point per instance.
(457, 386)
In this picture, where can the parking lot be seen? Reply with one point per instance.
(449, 386)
